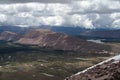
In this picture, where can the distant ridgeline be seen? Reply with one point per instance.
(55, 40)
(105, 35)
(15, 29)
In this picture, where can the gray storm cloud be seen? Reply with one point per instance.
(81, 13)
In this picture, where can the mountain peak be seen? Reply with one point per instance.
(61, 41)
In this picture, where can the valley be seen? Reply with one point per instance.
(31, 62)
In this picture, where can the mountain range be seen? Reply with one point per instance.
(70, 39)
(55, 40)
(74, 31)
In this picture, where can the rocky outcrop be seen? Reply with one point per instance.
(107, 70)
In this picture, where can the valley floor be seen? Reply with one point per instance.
(20, 62)
(46, 68)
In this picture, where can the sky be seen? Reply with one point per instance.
(88, 14)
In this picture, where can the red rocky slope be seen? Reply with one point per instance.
(107, 70)
(47, 38)
(9, 36)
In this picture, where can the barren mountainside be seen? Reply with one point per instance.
(9, 36)
(61, 41)
(107, 70)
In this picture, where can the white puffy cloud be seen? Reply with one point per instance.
(96, 6)
(52, 20)
(33, 14)
(3, 18)
(26, 1)
(80, 20)
(81, 13)
(116, 24)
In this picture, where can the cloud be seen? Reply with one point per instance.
(116, 24)
(75, 13)
(33, 14)
(95, 6)
(28, 1)
(3, 18)
(77, 20)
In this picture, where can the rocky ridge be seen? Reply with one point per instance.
(60, 41)
(106, 70)
(54, 40)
